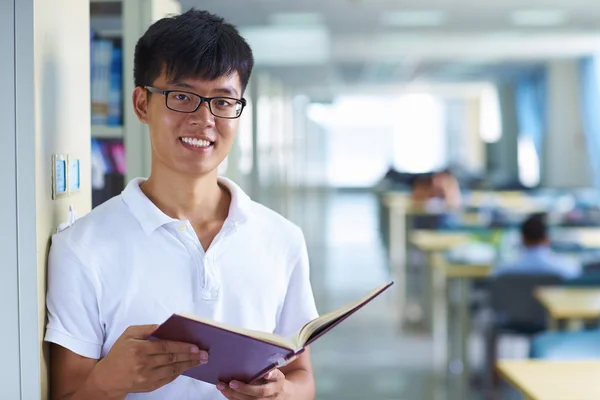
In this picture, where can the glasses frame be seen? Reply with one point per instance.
(203, 99)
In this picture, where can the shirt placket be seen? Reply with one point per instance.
(206, 275)
(189, 239)
(213, 281)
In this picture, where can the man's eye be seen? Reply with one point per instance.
(181, 97)
(223, 103)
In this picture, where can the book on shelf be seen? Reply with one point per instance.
(246, 355)
(106, 72)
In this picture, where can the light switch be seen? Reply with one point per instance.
(59, 176)
(74, 175)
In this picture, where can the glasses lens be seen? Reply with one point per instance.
(225, 107)
(182, 101)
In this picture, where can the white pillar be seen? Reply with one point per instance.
(565, 158)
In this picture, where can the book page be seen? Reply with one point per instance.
(324, 321)
(264, 336)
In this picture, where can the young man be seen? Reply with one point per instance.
(183, 240)
(536, 256)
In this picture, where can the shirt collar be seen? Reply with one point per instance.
(151, 217)
(538, 249)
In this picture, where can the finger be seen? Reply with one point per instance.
(256, 391)
(140, 331)
(274, 375)
(173, 358)
(166, 346)
(231, 394)
(173, 370)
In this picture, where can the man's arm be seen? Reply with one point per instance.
(69, 373)
(133, 365)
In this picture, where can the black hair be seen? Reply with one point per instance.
(534, 229)
(194, 44)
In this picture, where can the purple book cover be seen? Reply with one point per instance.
(235, 356)
(231, 356)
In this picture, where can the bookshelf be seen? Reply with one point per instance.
(107, 132)
(107, 99)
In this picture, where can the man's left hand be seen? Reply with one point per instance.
(273, 388)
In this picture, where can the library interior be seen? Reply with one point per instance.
(447, 146)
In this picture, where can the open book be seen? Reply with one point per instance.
(246, 355)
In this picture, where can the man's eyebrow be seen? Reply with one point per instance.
(181, 85)
(228, 90)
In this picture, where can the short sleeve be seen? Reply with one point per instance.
(72, 302)
(299, 304)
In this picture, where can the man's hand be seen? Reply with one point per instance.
(274, 388)
(136, 365)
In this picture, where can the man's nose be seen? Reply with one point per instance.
(203, 114)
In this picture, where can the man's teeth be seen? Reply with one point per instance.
(195, 142)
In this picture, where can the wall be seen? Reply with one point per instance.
(62, 90)
(10, 387)
(565, 162)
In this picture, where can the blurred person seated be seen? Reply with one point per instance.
(536, 256)
(436, 191)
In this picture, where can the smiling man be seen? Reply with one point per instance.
(182, 241)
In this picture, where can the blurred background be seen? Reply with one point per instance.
(411, 140)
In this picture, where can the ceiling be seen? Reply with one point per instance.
(318, 44)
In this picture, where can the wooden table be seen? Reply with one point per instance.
(454, 324)
(570, 303)
(553, 380)
(436, 241)
(434, 244)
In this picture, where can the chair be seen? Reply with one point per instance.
(587, 279)
(591, 267)
(514, 310)
(566, 345)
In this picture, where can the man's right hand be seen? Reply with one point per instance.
(135, 365)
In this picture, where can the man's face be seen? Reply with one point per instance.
(179, 140)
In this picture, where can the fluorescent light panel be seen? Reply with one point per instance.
(538, 17)
(416, 18)
(296, 19)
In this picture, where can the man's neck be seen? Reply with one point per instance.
(199, 199)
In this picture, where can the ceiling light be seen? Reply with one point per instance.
(296, 19)
(414, 18)
(538, 17)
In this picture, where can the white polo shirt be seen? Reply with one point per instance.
(127, 263)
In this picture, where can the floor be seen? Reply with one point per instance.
(366, 357)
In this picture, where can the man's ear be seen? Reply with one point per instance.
(140, 103)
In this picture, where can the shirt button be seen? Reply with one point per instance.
(182, 228)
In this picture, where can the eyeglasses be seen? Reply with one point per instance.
(188, 102)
